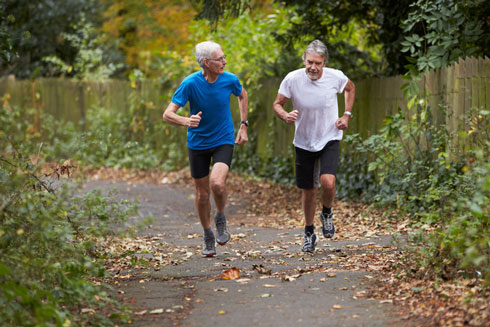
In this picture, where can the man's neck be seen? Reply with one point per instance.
(210, 77)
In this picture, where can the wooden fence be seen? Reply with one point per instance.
(460, 87)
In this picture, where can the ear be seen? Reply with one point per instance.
(205, 63)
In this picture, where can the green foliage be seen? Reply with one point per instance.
(6, 47)
(214, 10)
(45, 20)
(357, 32)
(252, 58)
(415, 168)
(276, 168)
(89, 61)
(47, 245)
(439, 32)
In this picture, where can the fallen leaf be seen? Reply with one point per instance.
(270, 285)
(221, 289)
(265, 295)
(336, 306)
(233, 273)
(156, 311)
(261, 270)
(88, 310)
(140, 313)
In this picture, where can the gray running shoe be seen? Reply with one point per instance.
(209, 247)
(309, 242)
(328, 227)
(222, 229)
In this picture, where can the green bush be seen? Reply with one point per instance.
(416, 166)
(48, 236)
(47, 243)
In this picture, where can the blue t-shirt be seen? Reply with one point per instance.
(213, 99)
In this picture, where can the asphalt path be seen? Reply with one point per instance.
(278, 285)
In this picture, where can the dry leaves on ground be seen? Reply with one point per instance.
(461, 302)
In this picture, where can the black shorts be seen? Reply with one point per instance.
(201, 159)
(310, 165)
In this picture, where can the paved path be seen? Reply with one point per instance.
(278, 286)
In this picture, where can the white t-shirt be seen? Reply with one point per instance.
(316, 102)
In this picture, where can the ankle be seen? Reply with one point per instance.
(208, 233)
(309, 229)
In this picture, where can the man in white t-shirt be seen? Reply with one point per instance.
(318, 130)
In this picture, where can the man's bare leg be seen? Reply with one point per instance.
(220, 194)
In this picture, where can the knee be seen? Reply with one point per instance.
(327, 182)
(218, 187)
(202, 195)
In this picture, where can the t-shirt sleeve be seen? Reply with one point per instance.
(236, 86)
(181, 97)
(342, 81)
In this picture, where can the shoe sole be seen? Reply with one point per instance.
(222, 243)
(209, 255)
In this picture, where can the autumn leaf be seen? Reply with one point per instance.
(230, 274)
(261, 270)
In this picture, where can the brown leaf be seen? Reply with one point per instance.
(261, 270)
(233, 273)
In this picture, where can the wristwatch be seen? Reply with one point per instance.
(244, 122)
(348, 113)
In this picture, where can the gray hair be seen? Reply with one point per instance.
(205, 50)
(317, 47)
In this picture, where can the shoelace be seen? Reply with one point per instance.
(308, 240)
(327, 222)
(221, 227)
(209, 242)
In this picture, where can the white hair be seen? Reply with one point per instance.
(317, 47)
(205, 50)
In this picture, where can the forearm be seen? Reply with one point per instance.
(349, 96)
(243, 106)
(170, 116)
(280, 111)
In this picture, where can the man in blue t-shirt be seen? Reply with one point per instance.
(210, 134)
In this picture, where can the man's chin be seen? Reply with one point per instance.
(313, 77)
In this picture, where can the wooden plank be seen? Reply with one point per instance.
(486, 75)
(481, 84)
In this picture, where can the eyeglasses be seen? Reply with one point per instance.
(220, 59)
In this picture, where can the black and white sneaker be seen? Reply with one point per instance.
(309, 242)
(328, 227)
(209, 247)
(221, 229)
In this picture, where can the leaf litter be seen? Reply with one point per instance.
(456, 302)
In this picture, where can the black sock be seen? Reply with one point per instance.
(310, 229)
(326, 211)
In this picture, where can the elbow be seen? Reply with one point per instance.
(165, 117)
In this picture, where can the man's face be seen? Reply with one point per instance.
(314, 64)
(217, 62)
